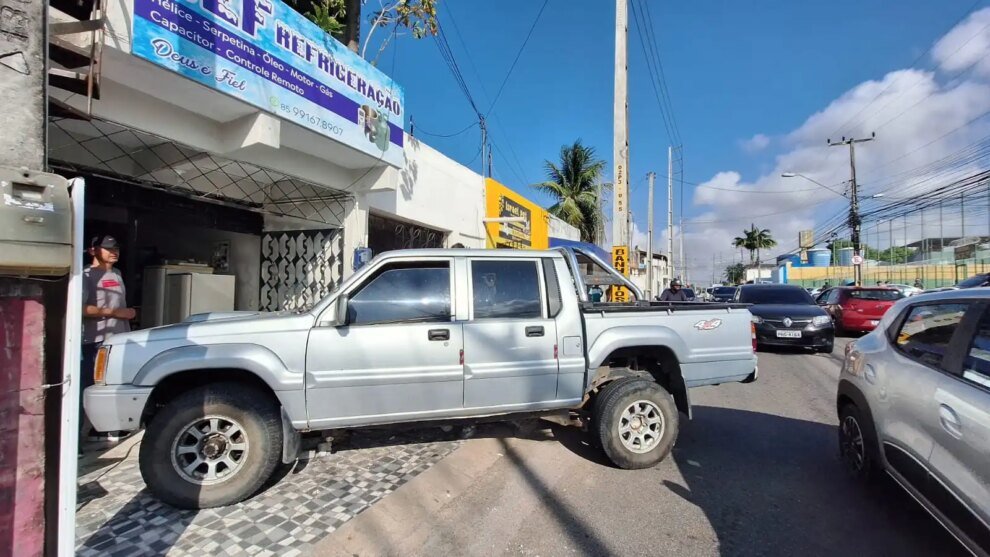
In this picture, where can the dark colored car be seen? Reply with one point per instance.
(858, 309)
(723, 293)
(787, 315)
(975, 281)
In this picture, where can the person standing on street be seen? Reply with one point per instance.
(105, 311)
(674, 293)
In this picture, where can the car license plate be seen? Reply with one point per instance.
(788, 334)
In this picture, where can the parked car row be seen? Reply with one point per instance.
(914, 401)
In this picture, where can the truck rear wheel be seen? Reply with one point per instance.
(636, 423)
(212, 446)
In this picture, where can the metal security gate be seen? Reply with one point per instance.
(299, 268)
(385, 234)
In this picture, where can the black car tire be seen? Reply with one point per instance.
(610, 411)
(255, 414)
(859, 458)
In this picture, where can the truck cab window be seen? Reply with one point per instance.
(419, 293)
(505, 289)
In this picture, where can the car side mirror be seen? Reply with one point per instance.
(340, 312)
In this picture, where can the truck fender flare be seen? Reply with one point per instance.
(634, 336)
(252, 358)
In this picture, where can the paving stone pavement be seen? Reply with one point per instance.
(116, 516)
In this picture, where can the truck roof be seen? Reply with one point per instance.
(462, 252)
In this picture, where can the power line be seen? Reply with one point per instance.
(518, 55)
(666, 112)
(915, 62)
(419, 129)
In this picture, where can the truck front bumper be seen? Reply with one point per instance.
(115, 407)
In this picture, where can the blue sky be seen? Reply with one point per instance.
(733, 71)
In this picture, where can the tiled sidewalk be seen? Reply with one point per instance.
(117, 516)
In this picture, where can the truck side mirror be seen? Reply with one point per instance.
(340, 311)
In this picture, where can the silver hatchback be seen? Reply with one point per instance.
(914, 402)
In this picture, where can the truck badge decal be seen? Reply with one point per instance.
(708, 325)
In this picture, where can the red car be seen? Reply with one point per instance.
(857, 309)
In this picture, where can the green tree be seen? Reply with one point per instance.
(574, 186)
(735, 273)
(753, 240)
(900, 254)
(342, 19)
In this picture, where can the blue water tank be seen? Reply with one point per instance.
(845, 256)
(819, 257)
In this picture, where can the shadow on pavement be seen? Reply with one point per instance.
(773, 485)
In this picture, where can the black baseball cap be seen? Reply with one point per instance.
(106, 241)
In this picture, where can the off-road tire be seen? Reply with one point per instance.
(615, 399)
(261, 421)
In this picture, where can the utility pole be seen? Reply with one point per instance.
(620, 122)
(484, 143)
(854, 220)
(670, 210)
(962, 215)
(649, 241)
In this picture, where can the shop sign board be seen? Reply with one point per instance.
(531, 232)
(620, 261)
(266, 54)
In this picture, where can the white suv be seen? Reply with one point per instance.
(914, 401)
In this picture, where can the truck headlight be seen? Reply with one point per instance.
(820, 320)
(100, 369)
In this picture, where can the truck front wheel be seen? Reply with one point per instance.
(636, 422)
(212, 446)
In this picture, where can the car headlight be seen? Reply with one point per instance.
(757, 319)
(820, 320)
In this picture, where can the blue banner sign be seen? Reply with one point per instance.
(267, 54)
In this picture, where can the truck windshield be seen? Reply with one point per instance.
(775, 295)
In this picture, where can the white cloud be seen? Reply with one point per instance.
(918, 116)
(966, 45)
(755, 144)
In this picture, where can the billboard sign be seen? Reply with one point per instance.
(531, 230)
(268, 55)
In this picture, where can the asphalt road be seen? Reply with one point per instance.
(755, 472)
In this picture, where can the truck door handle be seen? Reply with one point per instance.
(536, 331)
(439, 334)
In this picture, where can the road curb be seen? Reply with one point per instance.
(397, 521)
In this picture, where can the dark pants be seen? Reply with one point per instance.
(86, 369)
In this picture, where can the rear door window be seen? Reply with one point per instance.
(976, 366)
(927, 331)
(506, 289)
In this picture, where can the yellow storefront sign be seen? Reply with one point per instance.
(531, 231)
(620, 261)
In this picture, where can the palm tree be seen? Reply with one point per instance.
(754, 239)
(735, 273)
(574, 185)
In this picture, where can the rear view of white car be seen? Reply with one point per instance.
(914, 401)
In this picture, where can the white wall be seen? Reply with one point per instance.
(661, 275)
(560, 229)
(436, 192)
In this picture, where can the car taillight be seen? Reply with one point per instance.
(99, 370)
(752, 333)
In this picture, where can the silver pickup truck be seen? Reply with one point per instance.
(413, 336)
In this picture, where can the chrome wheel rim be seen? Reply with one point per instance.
(641, 426)
(853, 448)
(210, 450)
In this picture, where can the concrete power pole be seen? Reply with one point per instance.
(23, 80)
(620, 118)
(649, 241)
(854, 220)
(670, 211)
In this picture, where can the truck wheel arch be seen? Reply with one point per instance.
(658, 362)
